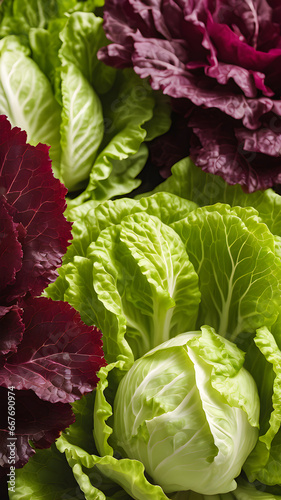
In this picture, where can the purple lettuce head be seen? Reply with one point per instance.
(217, 54)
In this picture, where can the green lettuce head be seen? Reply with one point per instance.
(189, 412)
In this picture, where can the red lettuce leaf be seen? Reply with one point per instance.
(221, 145)
(38, 201)
(58, 356)
(226, 148)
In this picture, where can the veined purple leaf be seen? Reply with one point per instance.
(38, 201)
(59, 355)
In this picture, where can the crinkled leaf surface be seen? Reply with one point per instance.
(90, 220)
(119, 271)
(10, 247)
(127, 107)
(145, 270)
(239, 273)
(129, 474)
(189, 182)
(37, 201)
(58, 357)
(47, 476)
(185, 392)
(81, 127)
(23, 88)
(264, 464)
(95, 131)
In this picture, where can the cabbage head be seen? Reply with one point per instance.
(188, 412)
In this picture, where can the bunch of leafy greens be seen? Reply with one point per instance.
(195, 252)
(52, 85)
(48, 357)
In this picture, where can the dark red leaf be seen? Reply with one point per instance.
(38, 201)
(59, 355)
(34, 419)
(224, 147)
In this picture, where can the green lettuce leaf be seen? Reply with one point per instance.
(18, 16)
(100, 478)
(191, 183)
(244, 491)
(126, 109)
(82, 119)
(236, 385)
(122, 177)
(81, 432)
(45, 44)
(143, 274)
(46, 476)
(81, 39)
(264, 463)
(95, 474)
(90, 218)
(23, 89)
(161, 120)
(137, 267)
(234, 256)
(164, 412)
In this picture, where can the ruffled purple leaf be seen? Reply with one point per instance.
(37, 200)
(220, 42)
(220, 54)
(59, 355)
(222, 147)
